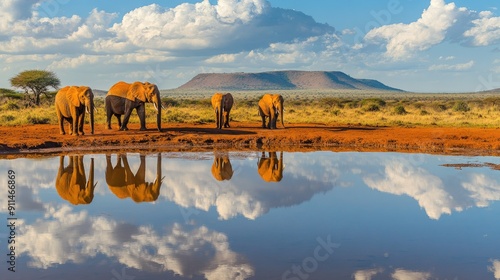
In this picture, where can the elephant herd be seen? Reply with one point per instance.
(73, 185)
(72, 102)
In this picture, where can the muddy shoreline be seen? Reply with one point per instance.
(40, 140)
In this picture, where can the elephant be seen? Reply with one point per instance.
(271, 105)
(122, 98)
(123, 183)
(71, 103)
(271, 168)
(222, 104)
(221, 168)
(71, 181)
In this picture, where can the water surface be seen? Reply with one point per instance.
(320, 215)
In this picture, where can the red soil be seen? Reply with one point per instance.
(40, 139)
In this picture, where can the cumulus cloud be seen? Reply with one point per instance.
(430, 29)
(486, 30)
(228, 25)
(12, 10)
(438, 23)
(495, 268)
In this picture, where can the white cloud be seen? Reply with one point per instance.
(13, 10)
(438, 23)
(402, 274)
(452, 67)
(403, 40)
(366, 274)
(233, 25)
(495, 268)
(486, 30)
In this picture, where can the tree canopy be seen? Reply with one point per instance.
(36, 82)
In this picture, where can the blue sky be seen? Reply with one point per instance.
(422, 46)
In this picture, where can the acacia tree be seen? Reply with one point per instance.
(36, 82)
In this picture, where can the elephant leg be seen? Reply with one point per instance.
(109, 114)
(70, 125)
(74, 126)
(119, 118)
(263, 120)
(140, 175)
(226, 118)
(273, 116)
(81, 121)
(216, 118)
(128, 111)
(60, 119)
(141, 112)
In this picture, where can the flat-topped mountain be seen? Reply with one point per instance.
(281, 80)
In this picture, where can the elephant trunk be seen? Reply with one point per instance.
(92, 110)
(89, 188)
(158, 109)
(281, 113)
(220, 114)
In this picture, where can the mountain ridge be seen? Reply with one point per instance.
(282, 80)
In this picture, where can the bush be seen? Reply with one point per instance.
(11, 105)
(8, 118)
(400, 110)
(369, 101)
(38, 120)
(461, 106)
(372, 108)
(439, 107)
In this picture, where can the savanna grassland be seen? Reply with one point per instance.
(339, 107)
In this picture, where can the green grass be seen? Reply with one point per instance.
(328, 107)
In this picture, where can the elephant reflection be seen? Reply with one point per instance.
(270, 168)
(123, 183)
(221, 168)
(71, 181)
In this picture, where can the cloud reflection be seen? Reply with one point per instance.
(436, 194)
(64, 236)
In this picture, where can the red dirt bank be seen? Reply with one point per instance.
(36, 139)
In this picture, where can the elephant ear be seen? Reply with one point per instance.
(73, 94)
(137, 91)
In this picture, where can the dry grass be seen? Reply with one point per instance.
(335, 107)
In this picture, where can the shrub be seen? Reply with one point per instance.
(38, 120)
(461, 106)
(169, 102)
(372, 108)
(439, 107)
(8, 118)
(11, 105)
(377, 101)
(424, 113)
(400, 110)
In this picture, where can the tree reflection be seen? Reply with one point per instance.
(124, 183)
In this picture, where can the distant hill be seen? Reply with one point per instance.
(496, 90)
(281, 80)
(99, 92)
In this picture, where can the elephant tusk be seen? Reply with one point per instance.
(87, 110)
(156, 107)
(163, 107)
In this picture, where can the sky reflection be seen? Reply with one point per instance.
(257, 215)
